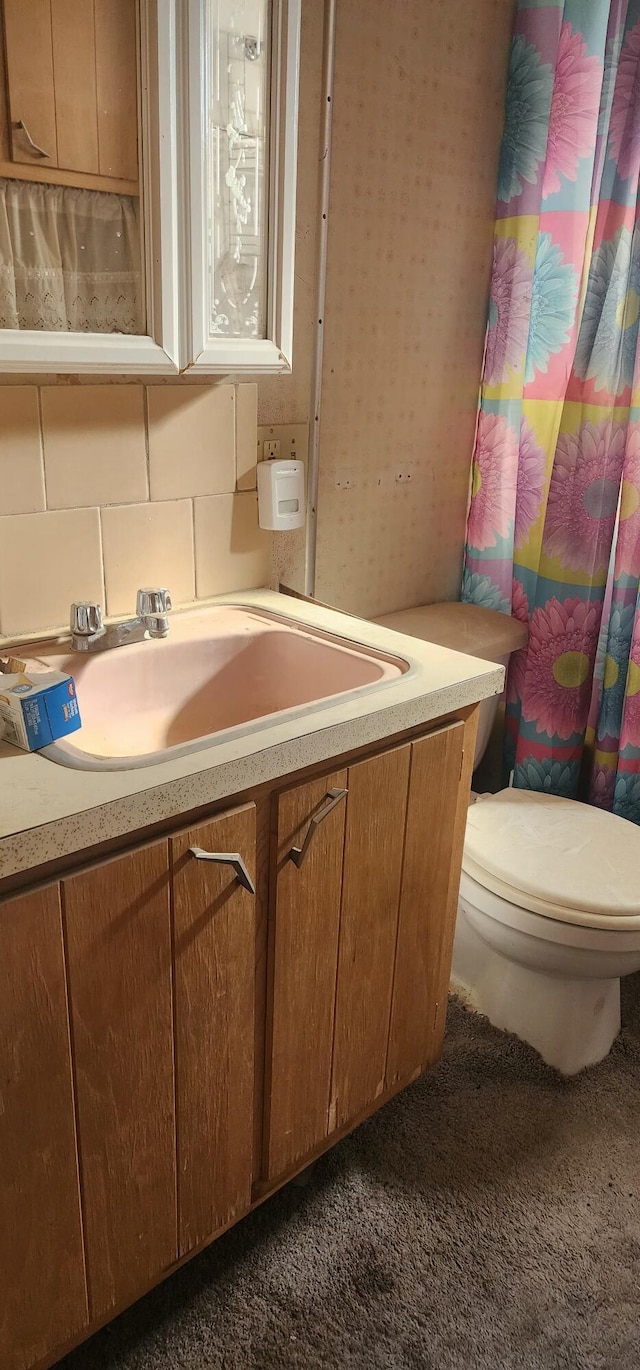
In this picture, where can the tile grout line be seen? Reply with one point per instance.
(145, 419)
(42, 450)
(101, 551)
(194, 556)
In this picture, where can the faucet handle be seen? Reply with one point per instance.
(152, 606)
(152, 601)
(85, 618)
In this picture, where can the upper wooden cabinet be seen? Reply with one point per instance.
(71, 106)
(148, 174)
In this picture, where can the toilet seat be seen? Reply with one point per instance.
(605, 937)
(555, 857)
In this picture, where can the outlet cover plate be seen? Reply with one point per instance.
(293, 439)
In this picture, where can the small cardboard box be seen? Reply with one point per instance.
(36, 707)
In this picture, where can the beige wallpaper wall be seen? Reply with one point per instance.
(418, 108)
(105, 486)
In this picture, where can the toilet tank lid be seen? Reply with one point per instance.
(466, 628)
(554, 854)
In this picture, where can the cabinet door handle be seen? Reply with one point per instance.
(227, 858)
(37, 151)
(297, 854)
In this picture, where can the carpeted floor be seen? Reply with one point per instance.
(487, 1217)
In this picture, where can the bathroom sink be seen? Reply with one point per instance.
(221, 671)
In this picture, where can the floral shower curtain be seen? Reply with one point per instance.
(554, 523)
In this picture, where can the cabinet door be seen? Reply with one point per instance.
(73, 40)
(373, 854)
(71, 71)
(43, 1302)
(304, 958)
(119, 967)
(215, 950)
(29, 75)
(116, 88)
(361, 939)
(427, 904)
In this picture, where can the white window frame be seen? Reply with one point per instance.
(246, 356)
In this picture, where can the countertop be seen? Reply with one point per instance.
(49, 811)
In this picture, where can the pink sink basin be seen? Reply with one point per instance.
(219, 671)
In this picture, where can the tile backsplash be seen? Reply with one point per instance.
(104, 488)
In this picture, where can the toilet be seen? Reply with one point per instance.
(549, 907)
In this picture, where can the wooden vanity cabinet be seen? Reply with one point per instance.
(175, 1041)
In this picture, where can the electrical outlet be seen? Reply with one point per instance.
(287, 441)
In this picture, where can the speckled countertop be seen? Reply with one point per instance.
(49, 811)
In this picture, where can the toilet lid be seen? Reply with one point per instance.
(555, 856)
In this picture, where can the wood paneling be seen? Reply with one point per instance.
(426, 916)
(119, 968)
(116, 73)
(374, 842)
(29, 50)
(214, 949)
(303, 956)
(42, 1285)
(74, 71)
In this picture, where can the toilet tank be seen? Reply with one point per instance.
(468, 628)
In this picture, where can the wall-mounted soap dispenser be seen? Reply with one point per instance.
(281, 494)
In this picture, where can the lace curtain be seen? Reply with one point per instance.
(70, 260)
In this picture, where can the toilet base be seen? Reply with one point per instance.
(571, 1022)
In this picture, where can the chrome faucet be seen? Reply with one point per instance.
(89, 634)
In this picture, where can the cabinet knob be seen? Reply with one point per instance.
(227, 858)
(333, 797)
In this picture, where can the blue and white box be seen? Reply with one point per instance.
(36, 707)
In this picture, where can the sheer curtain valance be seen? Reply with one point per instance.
(70, 260)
